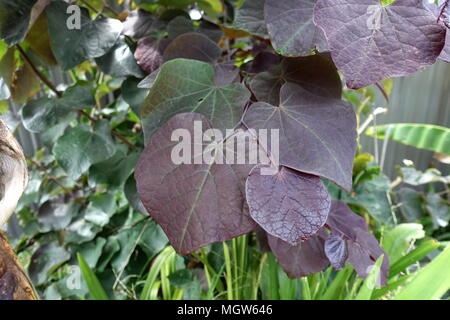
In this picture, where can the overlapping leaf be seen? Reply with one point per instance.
(192, 46)
(288, 205)
(149, 53)
(363, 248)
(120, 61)
(291, 27)
(195, 204)
(336, 251)
(80, 147)
(302, 259)
(317, 134)
(316, 73)
(250, 17)
(370, 42)
(190, 86)
(40, 114)
(71, 47)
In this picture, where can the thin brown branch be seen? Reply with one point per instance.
(38, 73)
(50, 85)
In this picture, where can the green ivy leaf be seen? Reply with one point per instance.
(80, 147)
(71, 47)
(120, 61)
(40, 114)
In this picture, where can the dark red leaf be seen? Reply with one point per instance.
(336, 251)
(289, 205)
(363, 248)
(291, 28)
(195, 204)
(302, 259)
(370, 42)
(149, 53)
(317, 134)
(316, 74)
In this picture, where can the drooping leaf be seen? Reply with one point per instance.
(195, 204)
(190, 86)
(289, 205)
(363, 248)
(302, 259)
(422, 136)
(317, 134)
(316, 74)
(192, 46)
(370, 42)
(80, 147)
(14, 20)
(40, 114)
(250, 17)
(120, 61)
(336, 251)
(71, 47)
(149, 53)
(291, 27)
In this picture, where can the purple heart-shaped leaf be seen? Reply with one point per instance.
(370, 42)
(302, 259)
(289, 204)
(195, 204)
(317, 134)
(336, 251)
(291, 28)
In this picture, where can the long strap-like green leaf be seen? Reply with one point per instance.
(422, 136)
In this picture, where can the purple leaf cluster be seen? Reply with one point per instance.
(288, 86)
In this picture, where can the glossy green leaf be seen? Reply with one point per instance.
(41, 114)
(80, 147)
(422, 136)
(120, 61)
(73, 46)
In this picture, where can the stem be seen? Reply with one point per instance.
(228, 276)
(50, 85)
